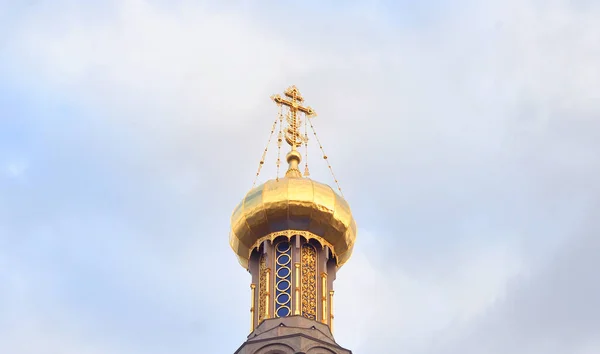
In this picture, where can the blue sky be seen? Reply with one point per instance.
(464, 136)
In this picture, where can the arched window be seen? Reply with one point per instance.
(283, 279)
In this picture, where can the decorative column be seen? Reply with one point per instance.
(267, 293)
(331, 310)
(324, 297)
(252, 300)
(297, 290)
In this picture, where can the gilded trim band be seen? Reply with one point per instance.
(267, 293)
(331, 310)
(324, 297)
(252, 299)
(297, 290)
(262, 288)
(289, 233)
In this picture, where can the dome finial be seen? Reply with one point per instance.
(292, 132)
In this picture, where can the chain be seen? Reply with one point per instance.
(325, 158)
(279, 141)
(306, 173)
(262, 160)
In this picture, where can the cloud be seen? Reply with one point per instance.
(552, 311)
(464, 141)
(16, 169)
(404, 306)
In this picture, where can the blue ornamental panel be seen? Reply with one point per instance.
(283, 279)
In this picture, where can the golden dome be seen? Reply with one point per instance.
(293, 206)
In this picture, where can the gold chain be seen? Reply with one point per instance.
(279, 140)
(306, 173)
(262, 160)
(325, 158)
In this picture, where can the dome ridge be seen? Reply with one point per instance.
(302, 205)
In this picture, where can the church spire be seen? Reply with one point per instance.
(292, 234)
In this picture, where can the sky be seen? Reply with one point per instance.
(464, 134)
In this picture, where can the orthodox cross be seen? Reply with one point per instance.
(294, 103)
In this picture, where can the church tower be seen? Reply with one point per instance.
(292, 234)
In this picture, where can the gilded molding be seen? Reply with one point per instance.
(297, 290)
(331, 310)
(252, 300)
(324, 316)
(262, 288)
(309, 281)
(267, 293)
(289, 234)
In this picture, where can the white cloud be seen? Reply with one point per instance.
(390, 303)
(16, 169)
(465, 146)
(34, 320)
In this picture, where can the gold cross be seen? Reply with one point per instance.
(292, 135)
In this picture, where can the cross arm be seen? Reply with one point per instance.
(294, 105)
(308, 111)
